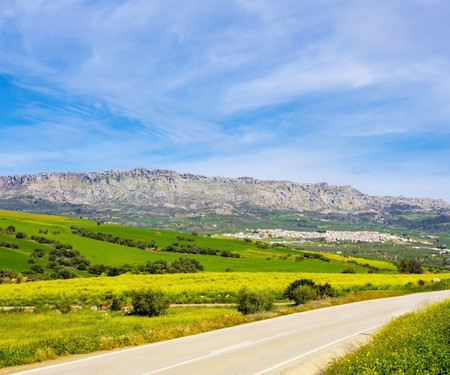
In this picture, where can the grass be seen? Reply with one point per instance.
(116, 255)
(378, 263)
(16, 260)
(415, 343)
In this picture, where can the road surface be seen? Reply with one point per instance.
(258, 348)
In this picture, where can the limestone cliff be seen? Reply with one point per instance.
(169, 189)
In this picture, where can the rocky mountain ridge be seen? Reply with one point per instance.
(171, 190)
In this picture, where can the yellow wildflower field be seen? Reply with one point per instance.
(191, 288)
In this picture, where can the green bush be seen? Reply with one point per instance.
(38, 253)
(303, 294)
(118, 303)
(288, 293)
(251, 302)
(64, 307)
(148, 302)
(325, 290)
(38, 268)
(62, 272)
(319, 291)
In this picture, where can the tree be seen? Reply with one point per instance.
(288, 293)
(410, 266)
(303, 293)
(38, 268)
(148, 302)
(251, 302)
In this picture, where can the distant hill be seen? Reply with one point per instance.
(168, 193)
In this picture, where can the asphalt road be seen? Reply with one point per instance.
(257, 348)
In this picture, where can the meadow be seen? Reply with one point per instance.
(58, 228)
(205, 287)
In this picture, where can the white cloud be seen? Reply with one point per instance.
(289, 89)
(306, 76)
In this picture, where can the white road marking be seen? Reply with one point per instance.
(212, 354)
(349, 315)
(314, 350)
(229, 348)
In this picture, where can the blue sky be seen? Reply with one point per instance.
(347, 92)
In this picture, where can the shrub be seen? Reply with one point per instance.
(64, 307)
(62, 272)
(118, 302)
(288, 293)
(38, 253)
(319, 290)
(410, 266)
(303, 293)
(148, 302)
(251, 302)
(38, 268)
(325, 290)
(349, 270)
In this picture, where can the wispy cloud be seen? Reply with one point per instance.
(296, 90)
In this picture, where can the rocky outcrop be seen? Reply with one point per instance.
(163, 188)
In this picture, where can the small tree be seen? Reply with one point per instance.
(38, 253)
(118, 302)
(149, 302)
(288, 293)
(410, 266)
(38, 268)
(303, 294)
(251, 302)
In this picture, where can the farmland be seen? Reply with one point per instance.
(57, 228)
(87, 322)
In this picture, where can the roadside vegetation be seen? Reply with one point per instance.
(415, 343)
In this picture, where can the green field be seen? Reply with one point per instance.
(252, 258)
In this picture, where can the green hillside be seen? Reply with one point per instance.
(58, 229)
